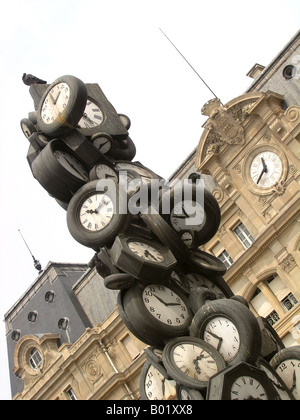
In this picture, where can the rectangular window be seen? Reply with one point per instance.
(289, 302)
(71, 394)
(244, 235)
(273, 317)
(226, 258)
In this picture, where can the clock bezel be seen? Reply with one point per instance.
(143, 377)
(112, 123)
(69, 118)
(127, 261)
(243, 320)
(220, 385)
(174, 370)
(256, 188)
(153, 332)
(105, 236)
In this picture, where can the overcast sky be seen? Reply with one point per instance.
(117, 44)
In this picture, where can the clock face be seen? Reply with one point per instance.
(165, 305)
(105, 172)
(96, 212)
(145, 251)
(71, 164)
(247, 388)
(194, 361)
(289, 371)
(182, 214)
(92, 116)
(103, 144)
(281, 390)
(266, 169)
(157, 386)
(223, 335)
(55, 103)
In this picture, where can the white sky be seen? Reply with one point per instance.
(117, 44)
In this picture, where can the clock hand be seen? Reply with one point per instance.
(264, 164)
(148, 254)
(196, 363)
(166, 303)
(52, 99)
(264, 170)
(160, 299)
(294, 385)
(88, 118)
(186, 214)
(220, 339)
(54, 102)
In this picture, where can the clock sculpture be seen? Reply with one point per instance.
(204, 342)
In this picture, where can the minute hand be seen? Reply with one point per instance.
(264, 170)
(166, 303)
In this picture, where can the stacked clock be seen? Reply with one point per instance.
(204, 343)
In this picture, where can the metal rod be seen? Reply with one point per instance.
(37, 264)
(26, 244)
(189, 64)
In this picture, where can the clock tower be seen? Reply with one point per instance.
(250, 146)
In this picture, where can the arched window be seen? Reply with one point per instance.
(35, 359)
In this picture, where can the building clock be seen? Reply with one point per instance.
(264, 168)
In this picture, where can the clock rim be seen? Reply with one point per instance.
(127, 261)
(241, 317)
(219, 382)
(105, 236)
(148, 363)
(177, 374)
(154, 331)
(212, 215)
(73, 112)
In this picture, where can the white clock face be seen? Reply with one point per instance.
(266, 169)
(145, 251)
(165, 305)
(247, 388)
(96, 212)
(157, 387)
(92, 116)
(71, 164)
(194, 361)
(184, 212)
(276, 384)
(289, 371)
(55, 103)
(223, 335)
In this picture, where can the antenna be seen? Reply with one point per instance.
(189, 64)
(36, 263)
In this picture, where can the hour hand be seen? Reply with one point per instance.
(220, 339)
(264, 170)
(264, 165)
(160, 299)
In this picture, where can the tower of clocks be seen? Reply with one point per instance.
(202, 304)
